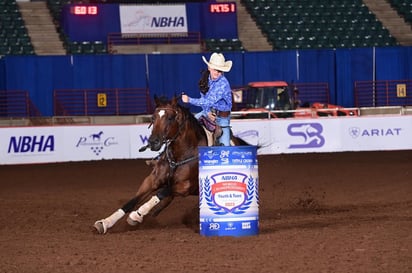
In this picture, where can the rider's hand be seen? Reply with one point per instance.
(211, 116)
(185, 98)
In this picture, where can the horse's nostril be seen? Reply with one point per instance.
(153, 141)
(155, 144)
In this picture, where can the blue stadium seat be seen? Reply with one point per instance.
(345, 23)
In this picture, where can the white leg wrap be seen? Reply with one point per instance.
(116, 216)
(146, 207)
(137, 215)
(103, 225)
(134, 218)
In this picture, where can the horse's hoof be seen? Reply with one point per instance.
(100, 226)
(134, 218)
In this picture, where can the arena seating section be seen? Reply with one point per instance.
(14, 39)
(223, 44)
(73, 47)
(404, 8)
(287, 25)
(318, 24)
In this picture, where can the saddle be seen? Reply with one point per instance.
(212, 130)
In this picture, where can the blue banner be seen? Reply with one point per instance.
(228, 191)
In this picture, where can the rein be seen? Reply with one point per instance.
(173, 164)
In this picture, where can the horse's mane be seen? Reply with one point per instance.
(193, 122)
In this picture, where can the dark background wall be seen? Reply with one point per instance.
(170, 74)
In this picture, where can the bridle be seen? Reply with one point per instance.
(168, 141)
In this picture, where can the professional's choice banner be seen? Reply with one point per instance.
(153, 19)
(91, 142)
(20, 145)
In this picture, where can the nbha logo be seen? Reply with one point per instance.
(168, 22)
(31, 144)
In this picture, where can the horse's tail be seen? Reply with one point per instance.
(237, 141)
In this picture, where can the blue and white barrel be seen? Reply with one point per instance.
(228, 191)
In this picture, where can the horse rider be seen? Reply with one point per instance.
(216, 102)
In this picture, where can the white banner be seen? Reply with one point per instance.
(377, 133)
(139, 138)
(279, 136)
(256, 133)
(31, 145)
(96, 142)
(304, 135)
(20, 145)
(153, 19)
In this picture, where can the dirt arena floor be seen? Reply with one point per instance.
(319, 213)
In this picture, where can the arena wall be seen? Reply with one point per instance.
(23, 145)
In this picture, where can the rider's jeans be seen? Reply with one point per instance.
(198, 115)
(224, 122)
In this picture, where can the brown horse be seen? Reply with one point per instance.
(175, 171)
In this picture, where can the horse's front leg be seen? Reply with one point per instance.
(103, 225)
(162, 199)
(163, 196)
(150, 184)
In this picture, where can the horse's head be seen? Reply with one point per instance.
(167, 121)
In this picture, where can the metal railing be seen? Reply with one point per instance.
(133, 39)
(383, 93)
(312, 92)
(102, 102)
(17, 103)
(297, 113)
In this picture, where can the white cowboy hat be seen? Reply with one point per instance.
(217, 61)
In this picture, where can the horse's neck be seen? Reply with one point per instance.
(181, 150)
(187, 144)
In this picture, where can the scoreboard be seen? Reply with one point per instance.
(91, 22)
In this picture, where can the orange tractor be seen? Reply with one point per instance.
(277, 99)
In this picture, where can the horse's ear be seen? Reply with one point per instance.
(174, 101)
(156, 100)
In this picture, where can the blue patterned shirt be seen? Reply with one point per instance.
(218, 97)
